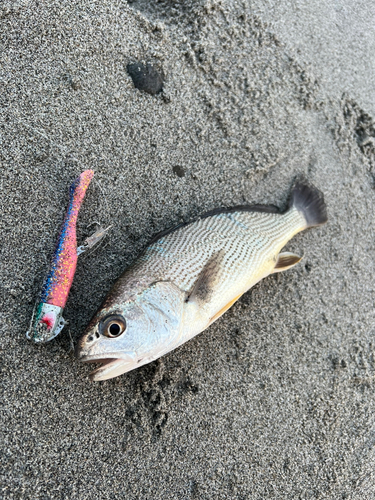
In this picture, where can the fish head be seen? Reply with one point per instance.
(126, 335)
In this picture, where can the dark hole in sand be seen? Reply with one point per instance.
(146, 77)
(179, 171)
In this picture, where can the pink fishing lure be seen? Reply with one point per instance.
(48, 321)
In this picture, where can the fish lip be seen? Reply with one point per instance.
(111, 365)
(126, 356)
(110, 369)
(87, 358)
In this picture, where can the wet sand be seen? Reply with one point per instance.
(277, 398)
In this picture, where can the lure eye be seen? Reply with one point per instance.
(112, 326)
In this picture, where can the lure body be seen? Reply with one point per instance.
(189, 276)
(48, 321)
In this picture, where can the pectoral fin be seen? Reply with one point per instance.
(203, 286)
(285, 261)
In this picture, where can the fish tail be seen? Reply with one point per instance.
(309, 201)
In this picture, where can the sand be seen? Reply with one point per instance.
(276, 400)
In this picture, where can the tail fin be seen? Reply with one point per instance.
(308, 200)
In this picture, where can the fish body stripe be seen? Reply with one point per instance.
(250, 241)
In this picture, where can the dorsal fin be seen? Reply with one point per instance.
(270, 209)
(167, 231)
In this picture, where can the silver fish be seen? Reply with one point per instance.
(189, 276)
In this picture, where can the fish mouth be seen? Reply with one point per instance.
(110, 366)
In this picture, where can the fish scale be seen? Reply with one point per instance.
(189, 276)
(182, 257)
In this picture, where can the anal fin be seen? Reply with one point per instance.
(285, 261)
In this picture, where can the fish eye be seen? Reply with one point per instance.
(112, 326)
(114, 329)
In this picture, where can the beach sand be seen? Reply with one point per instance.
(276, 400)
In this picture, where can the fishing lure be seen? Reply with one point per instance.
(189, 276)
(47, 322)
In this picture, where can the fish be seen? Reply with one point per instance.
(189, 276)
(47, 321)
